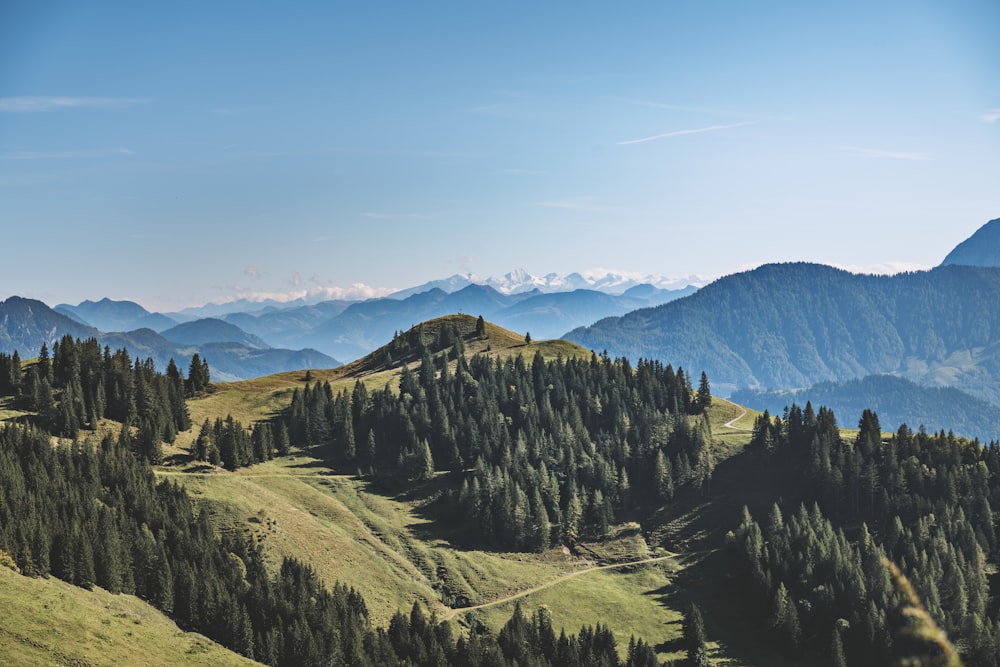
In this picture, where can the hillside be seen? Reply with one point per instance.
(348, 331)
(50, 622)
(895, 399)
(211, 330)
(108, 315)
(259, 398)
(980, 249)
(794, 325)
(25, 324)
(669, 534)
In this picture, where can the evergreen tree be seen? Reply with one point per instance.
(704, 397)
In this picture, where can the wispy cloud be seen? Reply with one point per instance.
(253, 272)
(357, 291)
(62, 155)
(879, 154)
(681, 133)
(691, 109)
(889, 268)
(678, 107)
(991, 116)
(36, 104)
(578, 204)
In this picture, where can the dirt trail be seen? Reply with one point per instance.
(729, 424)
(452, 613)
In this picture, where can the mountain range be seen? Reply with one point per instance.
(27, 324)
(350, 329)
(798, 331)
(782, 330)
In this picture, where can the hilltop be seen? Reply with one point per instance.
(471, 471)
(980, 249)
(259, 398)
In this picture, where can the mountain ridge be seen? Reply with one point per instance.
(27, 324)
(798, 324)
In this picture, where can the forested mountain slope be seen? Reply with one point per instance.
(497, 449)
(794, 325)
(897, 401)
(980, 249)
(109, 315)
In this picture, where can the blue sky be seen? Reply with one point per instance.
(174, 153)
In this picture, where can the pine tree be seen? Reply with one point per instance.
(704, 397)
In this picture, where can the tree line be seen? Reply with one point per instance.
(540, 450)
(922, 501)
(79, 384)
(93, 514)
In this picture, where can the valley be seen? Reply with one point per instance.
(487, 480)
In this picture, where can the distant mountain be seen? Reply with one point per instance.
(551, 315)
(795, 325)
(895, 400)
(211, 330)
(238, 306)
(26, 324)
(980, 249)
(520, 281)
(286, 326)
(363, 326)
(108, 315)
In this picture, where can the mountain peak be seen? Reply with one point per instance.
(980, 249)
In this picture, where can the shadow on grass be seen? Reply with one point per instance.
(695, 524)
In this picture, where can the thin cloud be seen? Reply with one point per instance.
(579, 204)
(991, 116)
(253, 272)
(677, 107)
(62, 155)
(879, 154)
(889, 268)
(681, 133)
(683, 108)
(37, 104)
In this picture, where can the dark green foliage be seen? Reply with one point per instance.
(95, 515)
(80, 384)
(198, 376)
(896, 400)
(694, 637)
(923, 501)
(704, 396)
(568, 443)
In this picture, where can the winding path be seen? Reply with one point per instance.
(729, 424)
(452, 613)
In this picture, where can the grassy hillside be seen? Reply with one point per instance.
(260, 398)
(49, 622)
(394, 549)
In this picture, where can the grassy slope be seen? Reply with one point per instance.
(394, 552)
(49, 622)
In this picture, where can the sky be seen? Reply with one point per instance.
(189, 152)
